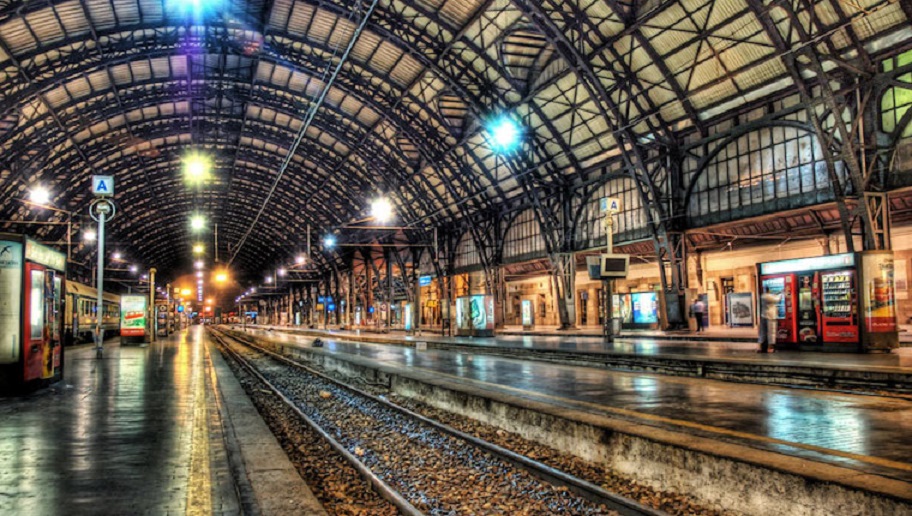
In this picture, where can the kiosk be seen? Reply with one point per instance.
(841, 302)
(32, 285)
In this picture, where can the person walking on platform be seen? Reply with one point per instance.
(769, 319)
(697, 309)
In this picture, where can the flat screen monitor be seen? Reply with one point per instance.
(615, 265)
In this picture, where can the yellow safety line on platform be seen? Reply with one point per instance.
(689, 424)
(199, 490)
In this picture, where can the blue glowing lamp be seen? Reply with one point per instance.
(504, 134)
(329, 241)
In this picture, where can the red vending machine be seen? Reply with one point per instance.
(32, 283)
(839, 300)
(783, 285)
(820, 301)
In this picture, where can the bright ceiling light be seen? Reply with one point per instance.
(186, 292)
(116, 256)
(221, 277)
(504, 134)
(133, 269)
(197, 222)
(198, 264)
(281, 273)
(40, 195)
(381, 210)
(300, 259)
(268, 279)
(198, 249)
(197, 168)
(90, 235)
(329, 241)
(199, 274)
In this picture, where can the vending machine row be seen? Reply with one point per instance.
(843, 302)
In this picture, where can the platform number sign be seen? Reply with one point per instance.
(103, 186)
(609, 205)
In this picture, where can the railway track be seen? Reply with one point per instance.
(419, 465)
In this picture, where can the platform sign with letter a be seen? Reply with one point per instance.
(103, 186)
(609, 204)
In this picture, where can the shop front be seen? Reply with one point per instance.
(839, 303)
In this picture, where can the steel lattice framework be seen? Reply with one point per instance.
(604, 89)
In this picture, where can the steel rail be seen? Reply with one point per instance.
(382, 488)
(587, 490)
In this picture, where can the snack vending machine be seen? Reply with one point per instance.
(838, 306)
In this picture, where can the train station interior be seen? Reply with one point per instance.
(371, 257)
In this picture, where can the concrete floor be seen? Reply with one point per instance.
(867, 433)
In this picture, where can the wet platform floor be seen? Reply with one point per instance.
(648, 346)
(871, 434)
(120, 435)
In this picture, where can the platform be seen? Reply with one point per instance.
(145, 430)
(695, 357)
(821, 436)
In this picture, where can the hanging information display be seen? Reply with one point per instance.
(133, 316)
(878, 293)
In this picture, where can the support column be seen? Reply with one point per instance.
(564, 280)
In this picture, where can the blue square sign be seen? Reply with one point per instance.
(103, 185)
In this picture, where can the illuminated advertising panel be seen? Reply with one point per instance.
(878, 295)
(10, 300)
(527, 313)
(645, 308)
(475, 315)
(133, 316)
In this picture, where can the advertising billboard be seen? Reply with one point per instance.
(740, 309)
(10, 300)
(133, 316)
(475, 315)
(407, 316)
(527, 321)
(645, 308)
(878, 293)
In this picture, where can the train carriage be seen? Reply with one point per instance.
(81, 301)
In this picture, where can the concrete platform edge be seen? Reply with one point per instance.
(806, 475)
(275, 485)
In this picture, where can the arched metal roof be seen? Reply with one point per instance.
(128, 87)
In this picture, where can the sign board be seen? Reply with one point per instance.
(610, 204)
(44, 255)
(408, 317)
(133, 315)
(103, 186)
(424, 281)
(833, 261)
(324, 299)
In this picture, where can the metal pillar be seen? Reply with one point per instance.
(153, 319)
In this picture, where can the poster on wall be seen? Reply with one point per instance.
(645, 309)
(10, 300)
(527, 321)
(878, 293)
(740, 309)
(133, 316)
